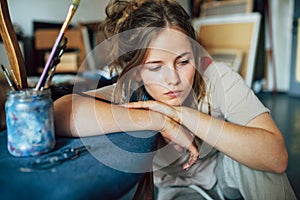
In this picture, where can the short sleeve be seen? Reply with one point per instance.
(106, 92)
(231, 96)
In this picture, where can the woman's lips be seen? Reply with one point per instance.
(173, 94)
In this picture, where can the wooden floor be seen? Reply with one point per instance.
(285, 110)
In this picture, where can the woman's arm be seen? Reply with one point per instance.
(259, 144)
(77, 116)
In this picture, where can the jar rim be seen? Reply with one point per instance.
(28, 93)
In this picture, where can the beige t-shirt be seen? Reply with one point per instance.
(230, 100)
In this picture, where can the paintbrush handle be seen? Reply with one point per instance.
(66, 23)
(43, 77)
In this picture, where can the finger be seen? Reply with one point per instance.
(192, 160)
(194, 155)
(177, 134)
(176, 146)
(151, 105)
(182, 137)
(170, 111)
(187, 142)
(156, 106)
(138, 104)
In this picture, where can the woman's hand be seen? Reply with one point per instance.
(172, 131)
(165, 109)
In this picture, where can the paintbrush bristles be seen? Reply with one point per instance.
(70, 14)
(76, 3)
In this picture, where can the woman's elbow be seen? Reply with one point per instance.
(280, 161)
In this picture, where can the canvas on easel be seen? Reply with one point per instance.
(237, 32)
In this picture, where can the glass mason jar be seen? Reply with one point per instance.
(30, 122)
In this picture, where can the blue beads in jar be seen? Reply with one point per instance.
(30, 122)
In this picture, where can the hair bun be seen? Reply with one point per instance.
(117, 11)
(115, 8)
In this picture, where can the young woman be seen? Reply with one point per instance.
(170, 85)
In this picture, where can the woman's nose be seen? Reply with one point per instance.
(172, 76)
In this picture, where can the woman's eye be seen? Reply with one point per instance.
(154, 68)
(183, 62)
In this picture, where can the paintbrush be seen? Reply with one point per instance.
(18, 87)
(56, 61)
(62, 31)
(9, 79)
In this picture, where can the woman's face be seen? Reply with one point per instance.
(169, 68)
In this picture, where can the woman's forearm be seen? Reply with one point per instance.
(258, 145)
(79, 116)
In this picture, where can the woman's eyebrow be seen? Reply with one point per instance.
(153, 62)
(183, 54)
(160, 61)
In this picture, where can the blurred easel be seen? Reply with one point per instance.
(269, 49)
